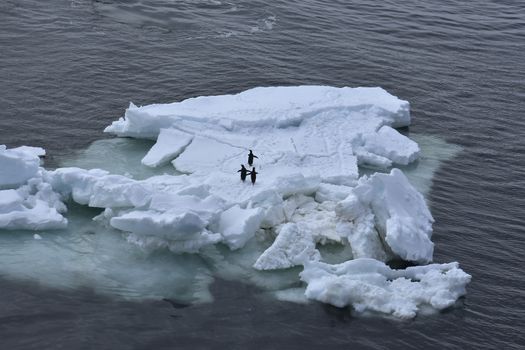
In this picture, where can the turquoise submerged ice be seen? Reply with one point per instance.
(311, 142)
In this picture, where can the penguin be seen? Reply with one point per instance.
(243, 172)
(253, 175)
(250, 158)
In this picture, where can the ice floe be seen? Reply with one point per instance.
(370, 285)
(312, 130)
(309, 141)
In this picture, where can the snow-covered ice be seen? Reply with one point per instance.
(238, 225)
(313, 130)
(370, 285)
(17, 165)
(400, 214)
(262, 106)
(293, 246)
(309, 141)
(34, 205)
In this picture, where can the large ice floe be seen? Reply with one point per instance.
(313, 143)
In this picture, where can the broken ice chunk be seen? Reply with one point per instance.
(170, 143)
(293, 246)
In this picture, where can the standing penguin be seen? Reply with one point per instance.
(253, 175)
(250, 158)
(243, 172)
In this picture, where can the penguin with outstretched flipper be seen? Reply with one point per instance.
(243, 172)
(250, 158)
(253, 175)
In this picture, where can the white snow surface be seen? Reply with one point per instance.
(261, 106)
(313, 130)
(309, 141)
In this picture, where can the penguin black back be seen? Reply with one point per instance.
(250, 158)
(243, 172)
(253, 175)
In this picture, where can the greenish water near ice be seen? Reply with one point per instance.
(119, 156)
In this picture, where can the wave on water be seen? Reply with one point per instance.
(193, 20)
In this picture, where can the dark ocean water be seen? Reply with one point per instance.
(68, 68)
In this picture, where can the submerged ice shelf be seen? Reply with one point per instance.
(312, 142)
